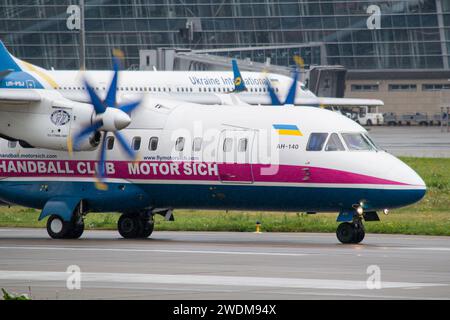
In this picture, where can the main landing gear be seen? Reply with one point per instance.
(136, 225)
(57, 228)
(351, 232)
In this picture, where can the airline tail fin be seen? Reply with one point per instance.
(239, 84)
(7, 61)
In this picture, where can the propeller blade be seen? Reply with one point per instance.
(123, 142)
(85, 132)
(110, 99)
(128, 108)
(96, 102)
(290, 99)
(100, 176)
(272, 94)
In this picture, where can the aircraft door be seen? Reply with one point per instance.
(234, 156)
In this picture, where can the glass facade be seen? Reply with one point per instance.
(387, 34)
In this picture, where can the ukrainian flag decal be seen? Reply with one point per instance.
(287, 130)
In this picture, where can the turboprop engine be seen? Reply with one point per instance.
(49, 120)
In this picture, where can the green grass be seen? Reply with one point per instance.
(431, 216)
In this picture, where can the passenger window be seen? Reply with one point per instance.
(136, 143)
(356, 141)
(179, 144)
(242, 147)
(197, 144)
(316, 141)
(109, 143)
(12, 144)
(334, 143)
(153, 144)
(227, 145)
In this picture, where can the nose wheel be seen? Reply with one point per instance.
(351, 232)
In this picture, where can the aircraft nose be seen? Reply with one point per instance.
(414, 188)
(402, 173)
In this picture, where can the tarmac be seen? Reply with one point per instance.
(224, 265)
(412, 141)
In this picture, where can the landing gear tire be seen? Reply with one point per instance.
(135, 226)
(129, 226)
(359, 233)
(77, 231)
(345, 232)
(350, 232)
(57, 228)
(147, 228)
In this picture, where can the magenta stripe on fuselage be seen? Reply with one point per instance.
(197, 171)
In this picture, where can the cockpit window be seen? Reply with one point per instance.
(374, 145)
(356, 141)
(334, 143)
(316, 141)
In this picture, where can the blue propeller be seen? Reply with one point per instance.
(290, 98)
(109, 117)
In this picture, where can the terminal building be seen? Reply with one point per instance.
(393, 50)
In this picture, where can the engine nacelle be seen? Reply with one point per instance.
(47, 123)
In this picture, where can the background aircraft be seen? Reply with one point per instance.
(193, 86)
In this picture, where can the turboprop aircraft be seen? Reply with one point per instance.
(192, 86)
(151, 156)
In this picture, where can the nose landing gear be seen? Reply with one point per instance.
(351, 232)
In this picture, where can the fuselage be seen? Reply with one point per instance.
(210, 157)
(191, 86)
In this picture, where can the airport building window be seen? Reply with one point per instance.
(197, 144)
(334, 143)
(402, 87)
(408, 27)
(179, 144)
(435, 87)
(136, 143)
(242, 147)
(109, 143)
(227, 145)
(153, 144)
(316, 141)
(365, 87)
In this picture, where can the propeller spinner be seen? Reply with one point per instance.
(109, 117)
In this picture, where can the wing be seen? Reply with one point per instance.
(349, 102)
(18, 96)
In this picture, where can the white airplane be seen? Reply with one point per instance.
(195, 156)
(191, 86)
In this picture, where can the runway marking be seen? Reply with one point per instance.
(422, 249)
(192, 279)
(346, 294)
(157, 251)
